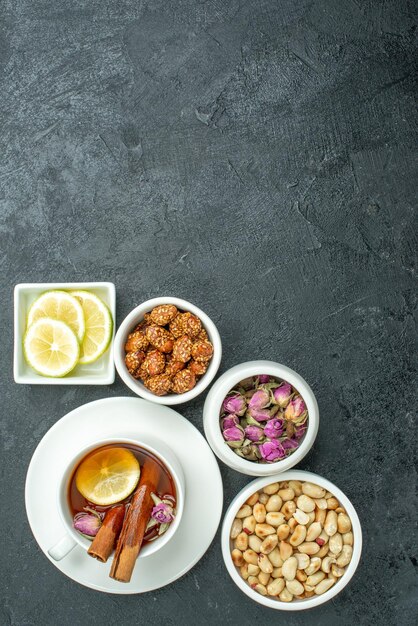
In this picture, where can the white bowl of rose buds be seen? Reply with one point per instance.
(291, 541)
(261, 418)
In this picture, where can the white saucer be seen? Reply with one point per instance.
(127, 417)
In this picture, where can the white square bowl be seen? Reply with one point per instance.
(102, 372)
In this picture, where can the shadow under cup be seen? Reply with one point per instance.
(156, 448)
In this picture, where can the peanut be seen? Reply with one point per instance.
(264, 577)
(241, 542)
(301, 576)
(255, 543)
(285, 595)
(259, 512)
(244, 571)
(283, 531)
(286, 550)
(303, 560)
(326, 563)
(313, 491)
(332, 503)
(330, 525)
(305, 503)
(295, 587)
(275, 557)
(277, 572)
(253, 570)
(343, 523)
(348, 539)
(314, 566)
(323, 551)
(275, 587)
(288, 509)
(236, 528)
(269, 544)
(251, 557)
(309, 547)
(264, 564)
(237, 557)
(345, 556)
(272, 488)
(261, 589)
(336, 544)
(320, 515)
(263, 530)
(274, 503)
(245, 511)
(252, 581)
(314, 531)
(292, 524)
(274, 518)
(263, 498)
(321, 503)
(314, 579)
(252, 499)
(301, 517)
(337, 571)
(296, 485)
(298, 536)
(248, 525)
(324, 585)
(289, 568)
(286, 494)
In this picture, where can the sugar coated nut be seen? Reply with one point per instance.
(176, 326)
(159, 385)
(182, 349)
(134, 360)
(154, 363)
(136, 341)
(183, 381)
(163, 314)
(305, 503)
(160, 338)
(192, 325)
(202, 350)
(198, 368)
(172, 367)
(289, 568)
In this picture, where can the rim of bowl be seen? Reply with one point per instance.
(134, 317)
(296, 605)
(213, 403)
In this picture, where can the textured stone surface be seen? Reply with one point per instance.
(258, 159)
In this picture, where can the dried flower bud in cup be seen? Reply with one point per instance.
(272, 415)
(283, 557)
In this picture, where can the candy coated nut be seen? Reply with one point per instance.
(203, 334)
(134, 360)
(163, 314)
(159, 385)
(173, 367)
(136, 341)
(202, 350)
(191, 324)
(182, 349)
(154, 363)
(183, 381)
(176, 326)
(198, 367)
(160, 338)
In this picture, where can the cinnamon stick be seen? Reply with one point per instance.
(104, 542)
(135, 523)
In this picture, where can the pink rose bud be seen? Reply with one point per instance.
(87, 522)
(163, 513)
(282, 394)
(253, 433)
(233, 434)
(272, 451)
(235, 404)
(300, 431)
(230, 421)
(290, 444)
(273, 428)
(295, 408)
(259, 400)
(263, 378)
(260, 415)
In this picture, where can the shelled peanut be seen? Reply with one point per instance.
(291, 540)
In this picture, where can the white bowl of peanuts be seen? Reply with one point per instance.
(203, 332)
(291, 541)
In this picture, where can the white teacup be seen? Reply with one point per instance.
(72, 537)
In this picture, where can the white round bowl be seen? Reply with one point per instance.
(295, 605)
(129, 323)
(213, 404)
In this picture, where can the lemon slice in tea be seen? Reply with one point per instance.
(99, 326)
(59, 305)
(51, 347)
(108, 476)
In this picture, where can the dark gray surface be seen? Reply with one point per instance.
(256, 158)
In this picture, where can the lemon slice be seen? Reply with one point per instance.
(99, 326)
(51, 347)
(108, 476)
(59, 305)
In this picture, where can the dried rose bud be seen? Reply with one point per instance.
(300, 431)
(136, 341)
(198, 367)
(229, 422)
(281, 395)
(191, 324)
(159, 385)
(133, 361)
(234, 404)
(160, 338)
(202, 350)
(259, 415)
(154, 363)
(263, 378)
(163, 513)
(87, 522)
(246, 383)
(249, 452)
(182, 349)
(163, 314)
(234, 436)
(259, 400)
(272, 451)
(290, 444)
(295, 409)
(274, 428)
(183, 381)
(254, 433)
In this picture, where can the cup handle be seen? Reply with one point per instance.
(62, 548)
